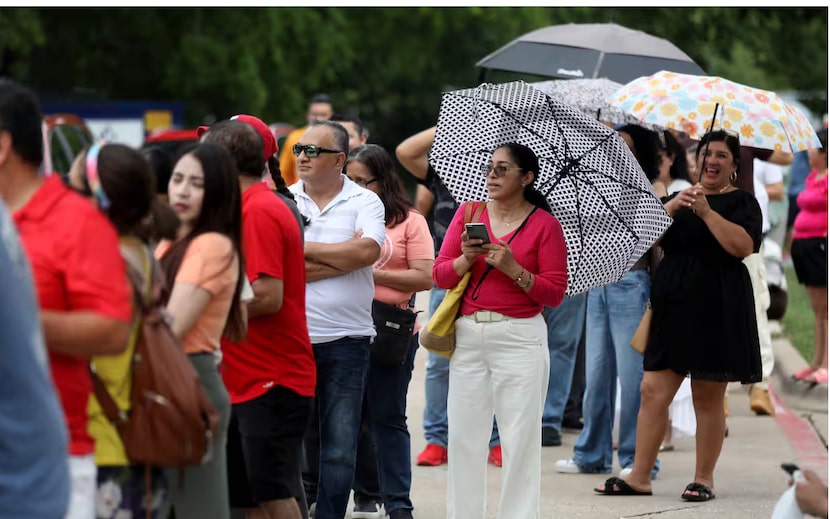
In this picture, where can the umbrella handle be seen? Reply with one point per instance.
(714, 116)
(706, 149)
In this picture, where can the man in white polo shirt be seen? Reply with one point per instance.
(342, 242)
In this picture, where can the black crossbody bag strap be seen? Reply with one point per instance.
(474, 295)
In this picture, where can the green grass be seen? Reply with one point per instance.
(798, 320)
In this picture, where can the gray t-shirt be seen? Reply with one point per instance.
(34, 467)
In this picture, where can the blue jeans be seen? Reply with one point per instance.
(387, 388)
(565, 324)
(342, 368)
(436, 387)
(614, 312)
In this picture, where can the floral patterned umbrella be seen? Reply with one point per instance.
(692, 103)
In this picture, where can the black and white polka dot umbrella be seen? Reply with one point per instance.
(593, 183)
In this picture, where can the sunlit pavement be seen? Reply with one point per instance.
(748, 478)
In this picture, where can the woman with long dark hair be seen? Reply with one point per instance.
(404, 268)
(205, 270)
(123, 187)
(501, 360)
(673, 170)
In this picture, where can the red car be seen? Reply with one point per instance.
(172, 141)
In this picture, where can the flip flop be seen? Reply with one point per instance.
(622, 488)
(704, 493)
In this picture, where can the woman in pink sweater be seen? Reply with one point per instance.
(501, 361)
(809, 254)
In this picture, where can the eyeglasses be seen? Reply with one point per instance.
(362, 182)
(311, 151)
(500, 170)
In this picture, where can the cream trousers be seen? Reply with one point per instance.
(757, 273)
(500, 367)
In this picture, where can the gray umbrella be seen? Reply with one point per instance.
(590, 50)
(588, 96)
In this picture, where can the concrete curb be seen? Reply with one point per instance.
(797, 395)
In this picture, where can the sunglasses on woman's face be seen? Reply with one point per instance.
(499, 170)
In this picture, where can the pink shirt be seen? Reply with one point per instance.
(811, 221)
(409, 240)
(539, 248)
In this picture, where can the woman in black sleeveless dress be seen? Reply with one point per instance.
(703, 323)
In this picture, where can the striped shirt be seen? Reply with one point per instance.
(341, 306)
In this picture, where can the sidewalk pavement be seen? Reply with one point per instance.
(749, 480)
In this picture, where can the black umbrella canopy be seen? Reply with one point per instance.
(590, 50)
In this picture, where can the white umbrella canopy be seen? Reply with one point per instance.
(594, 185)
(589, 96)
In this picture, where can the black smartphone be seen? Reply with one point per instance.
(789, 468)
(478, 231)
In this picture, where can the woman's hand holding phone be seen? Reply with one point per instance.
(471, 247)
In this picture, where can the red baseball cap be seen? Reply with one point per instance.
(269, 143)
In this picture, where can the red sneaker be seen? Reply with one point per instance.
(432, 456)
(495, 456)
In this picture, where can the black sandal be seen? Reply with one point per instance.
(622, 488)
(704, 493)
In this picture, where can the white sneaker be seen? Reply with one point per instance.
(368, 511)
(567, 467)
(626, 471)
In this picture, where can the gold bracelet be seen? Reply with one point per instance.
(521, 275)
(529, 279)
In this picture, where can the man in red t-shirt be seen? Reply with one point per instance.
(83, 292)
(270, 376)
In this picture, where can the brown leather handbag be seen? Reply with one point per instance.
(170, 422)
(640, 339)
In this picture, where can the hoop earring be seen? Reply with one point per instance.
(734, 176)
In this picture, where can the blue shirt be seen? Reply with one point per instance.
(799, 170)
(34, 470)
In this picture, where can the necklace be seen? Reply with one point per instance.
(510, 222)
(724, 188)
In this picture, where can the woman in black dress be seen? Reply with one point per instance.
(703, 325)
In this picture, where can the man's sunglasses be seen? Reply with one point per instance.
(311, 151)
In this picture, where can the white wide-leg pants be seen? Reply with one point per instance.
(500, 366)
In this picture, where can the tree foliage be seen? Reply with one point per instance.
(388, 64)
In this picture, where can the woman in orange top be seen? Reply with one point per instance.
(204, 267)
